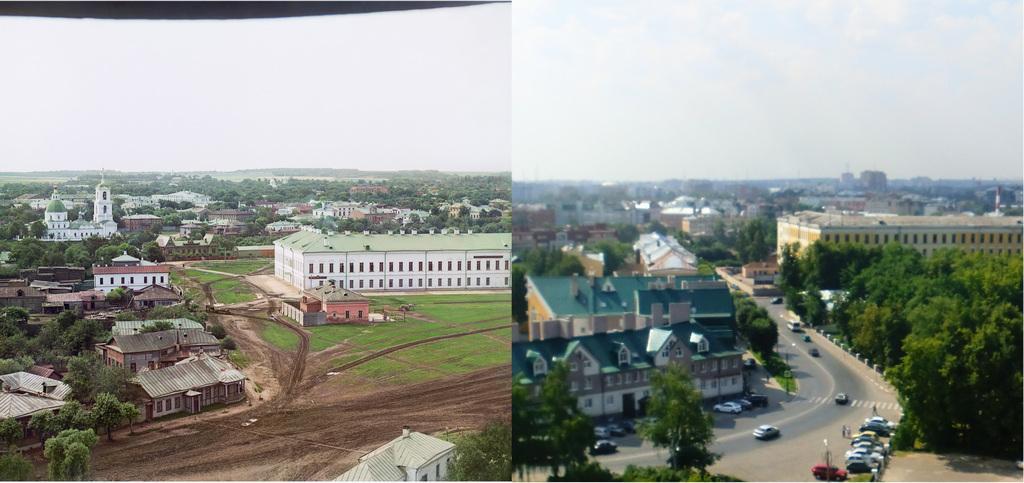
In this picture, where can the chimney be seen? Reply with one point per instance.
(574, 286)
(405, 431)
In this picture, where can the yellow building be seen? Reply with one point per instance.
(987, 234)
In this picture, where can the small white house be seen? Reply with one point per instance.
(131, 273)
(410, 457)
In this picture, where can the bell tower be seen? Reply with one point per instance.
(102, 206)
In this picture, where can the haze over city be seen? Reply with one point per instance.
(421, 89)
(766, 90)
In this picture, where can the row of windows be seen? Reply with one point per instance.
(160, 405)
(408, 282)
(924, 238)
(363, 266)
(131, 280)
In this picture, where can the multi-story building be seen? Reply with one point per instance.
(231, 215)
(987, 234)
(177, 247)
(394, 262)
(140, 222)
(184, 197)
(189, 386)
(613, 332)
(873, 181)
(662, 255)
(129, 272)
(154, 350)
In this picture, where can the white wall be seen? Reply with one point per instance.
(134, 281)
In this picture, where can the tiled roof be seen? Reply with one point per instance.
(27, 382)
(154, 341)
(199, 372)
(76, 296)
(126, 327)
(307, 241)
(387, 463)
(622, 299)
(130, 269)
(14, 405)
(156, 292)
(817, 219)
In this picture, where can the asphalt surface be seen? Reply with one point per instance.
(806, 419)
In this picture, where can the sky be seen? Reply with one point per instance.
(426, 89)
(649, 90)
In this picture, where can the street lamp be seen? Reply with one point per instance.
(828, 462)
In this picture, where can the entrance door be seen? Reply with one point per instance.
(628, 406)
(149, 411)
(643, 406)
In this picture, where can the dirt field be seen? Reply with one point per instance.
(310, 426)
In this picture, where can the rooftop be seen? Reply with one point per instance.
(196, 372)
(26, 382)
(155, 341)
(126, 327)
(306, 241)
(841, 220)
(107, 270)
(15, 405)
(388, 462)
(330, 293)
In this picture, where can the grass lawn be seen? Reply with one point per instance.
(232, 291)
(378, 336)
(203, 277)
(779, 370)
(396, 300)
(279, 336)
(238, 358)
(436, 360)
(238, 267)
(464, 313)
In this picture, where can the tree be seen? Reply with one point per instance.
(519, 304)
(108, 412)
(484, 456)
(789, 268)
(118, 296)
(528, 445)
(10, 432)
(131, 413)
(228, 343)
(69, 453)
(14, 467)
(43, 423)
(217, 330)
(37, 229)
(680, 424)
(18, 364)
(568, 431)
(589, 471)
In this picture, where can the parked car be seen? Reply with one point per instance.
(842, 398)
(734, 286)
(727, 407)
(745, 404)
(814, 352)
(616, 430)
(880, 420)
(603, 446)
(859, 466)
(776, 300)
(749, 363)
(833, 473)
(864, 438)
(758, 400)
(807, 338)
(878, 428)
(861, 453)
(870, 434)
(766, 432)
(629, 426)
(871, 446)
(602, 432)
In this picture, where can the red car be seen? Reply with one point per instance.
(835, 474)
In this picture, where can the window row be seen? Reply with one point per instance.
(372, 267)
(925, 238)
(131, 280)
(409, 282)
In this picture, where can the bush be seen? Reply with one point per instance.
(228, 343)
(218, 330)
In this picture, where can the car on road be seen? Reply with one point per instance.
(727, 407)
(859, 466)
(734, 286)
(616, 430)
(745, 404)
(807, 338)
(833, 473)
(766, 432)
(878, 428)
(749, 363)
(814, 352)
(603, 446)
(880, 420)
(842, 398)
(759, 400)
(776, 300)
(601, 432)
(629, 426)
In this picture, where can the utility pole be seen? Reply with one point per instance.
(828, 462)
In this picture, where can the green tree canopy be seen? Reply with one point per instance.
(484, 456)
(679, 424)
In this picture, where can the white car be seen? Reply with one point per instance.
(863, 454)
(728, 407)
(868, 445)
(602, 432)
(878, 419)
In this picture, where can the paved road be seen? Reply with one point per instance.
(806, 419)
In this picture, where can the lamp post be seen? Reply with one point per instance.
(828, 462)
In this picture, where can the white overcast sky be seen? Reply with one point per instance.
(422, 89)
(648, 90)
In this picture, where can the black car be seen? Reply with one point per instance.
(759, 400)
(749, 363)
(879, 429)
(628, 426)
(858, 467)
(814, 352)
(603, 446)
(776, 300)
(745, 404)
(616, 430)
(842, 398)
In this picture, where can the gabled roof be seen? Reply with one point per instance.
(196, 372)
(26, 382)
(126, 327)
(330, 293)
(154, 341)
(594, 300)
(76, 296)
(14, 405)
(130, 269)
(156, 292)
(310, 242)
(389, 461)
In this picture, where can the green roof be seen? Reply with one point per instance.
(56, 206)
(642, 344)
(627, 293)
(306, 241)
(127, 327)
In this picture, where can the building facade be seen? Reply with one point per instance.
(59, 228)
(154, 350)
(129, 272)
(395, 262)
(189, 386)
(986, 234)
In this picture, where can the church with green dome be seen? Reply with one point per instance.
(58, 228)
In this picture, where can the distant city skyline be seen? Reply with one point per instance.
(411, 90)
(796, 89)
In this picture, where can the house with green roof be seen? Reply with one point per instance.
(613, 332)
(395, 262)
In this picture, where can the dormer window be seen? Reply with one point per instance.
(702, 346)
(608, 287)
(623, 356)
(539, 367)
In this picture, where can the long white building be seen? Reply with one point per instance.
(395, 262)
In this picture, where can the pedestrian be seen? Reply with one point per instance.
(874, 409)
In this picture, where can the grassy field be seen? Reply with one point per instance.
(232, 291)
(203, 277)
(376, 337)
(238, 358)
(237, 267)
(279, 336)
(436, 360)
